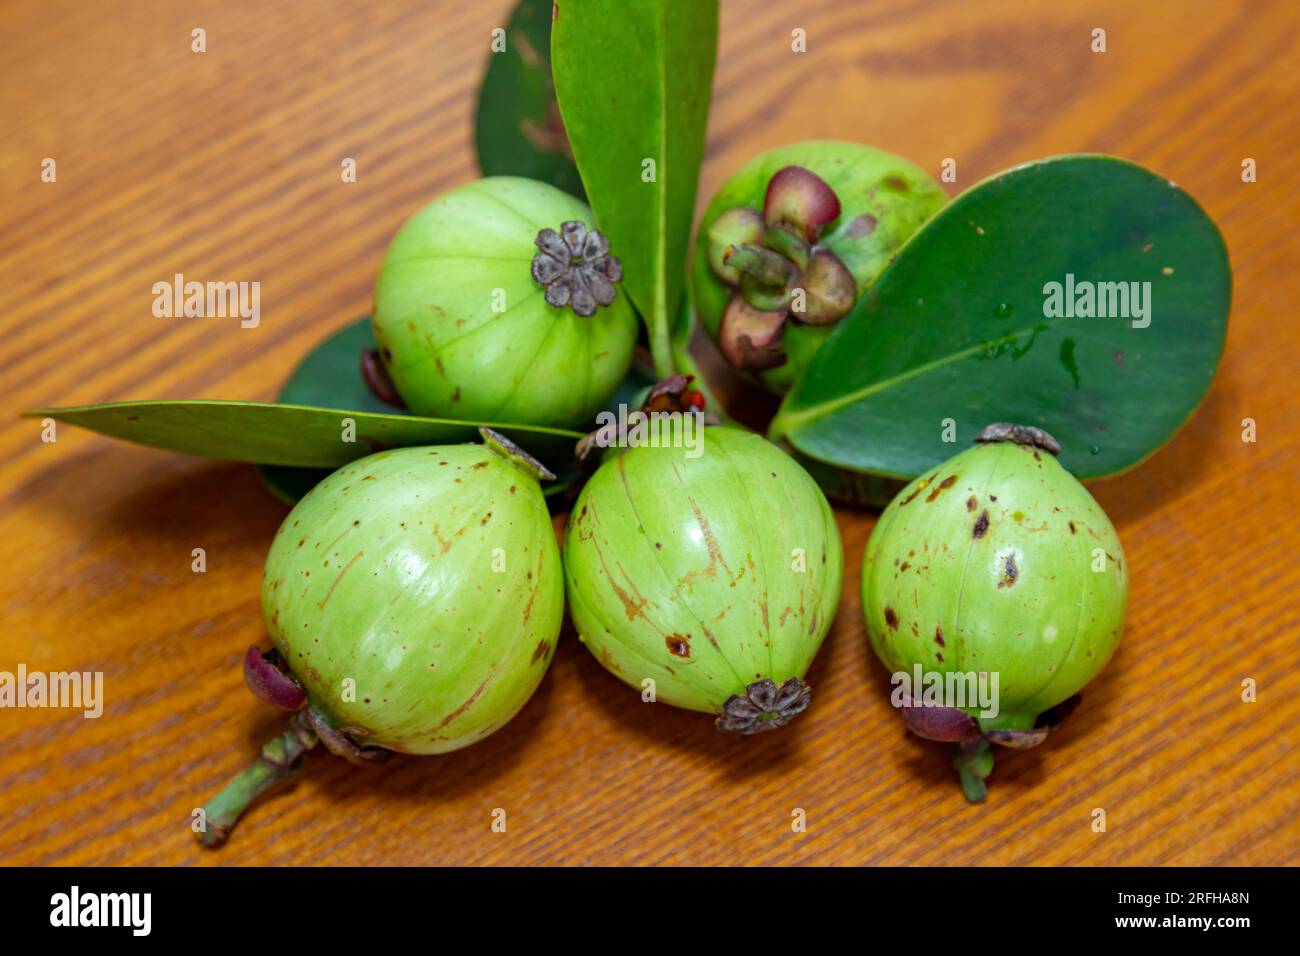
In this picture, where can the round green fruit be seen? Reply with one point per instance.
(793, 239)
(996, 564)
(497, 302)
(715, 576)
(414, 599)
(417, 595)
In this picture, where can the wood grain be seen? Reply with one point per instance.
(225, 166)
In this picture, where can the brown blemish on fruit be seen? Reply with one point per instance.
(863, 225)
(480, 464)
(468, 703)
(891, 618)
(938, 635)
(981, 525)
(347, 567)
(540, 652)
(896, 182)
(1010, 573)
(712, 640)
(920, 487)
(942, 487)
(972, 503)
(678, 644)
(1072, 531)
(710, 541)
(486, 518)
(904, 566)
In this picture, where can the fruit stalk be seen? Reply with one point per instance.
(973, 760)
(275, 765)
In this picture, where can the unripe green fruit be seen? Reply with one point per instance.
(998, 562)
(464, 329)
(417, 596)
(883, 200)
(710, 575)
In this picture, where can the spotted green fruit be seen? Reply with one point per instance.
(716, 577)
(844, 206)
(997, 562)
(417, 595)
(498, 302)
(414, 599)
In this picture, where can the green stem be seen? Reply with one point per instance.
(974, 762)
(661, 345)
(277, 764)
(686, 365)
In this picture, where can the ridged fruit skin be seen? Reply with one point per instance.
(937, 589)
(451, 356)
(383, 573)
(884, 199)
(680, 570)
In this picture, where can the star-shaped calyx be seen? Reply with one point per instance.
(764, 706)
(575, 268)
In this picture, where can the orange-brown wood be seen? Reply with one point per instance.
(225, 165)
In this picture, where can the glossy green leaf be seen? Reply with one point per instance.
(633, 79)
(958, 326)
(517, 128)
(298, 435)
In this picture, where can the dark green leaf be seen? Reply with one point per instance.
(633, 78)
(268, 433)
(330, 375)
(956, 328)
(517, 129)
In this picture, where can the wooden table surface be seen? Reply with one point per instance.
(225, 165)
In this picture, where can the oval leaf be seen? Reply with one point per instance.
(964, 325)
(517, 128)
(633, 79)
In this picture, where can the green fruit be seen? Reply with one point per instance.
(998, 562)
(470, 327)
(716, 576)
(430, 579)
(878, 200)
(414, 598)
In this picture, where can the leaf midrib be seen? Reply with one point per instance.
(787, 421)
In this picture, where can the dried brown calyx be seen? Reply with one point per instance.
(764, 706)
(575, 268)
(777, 269)
(1026, 435)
